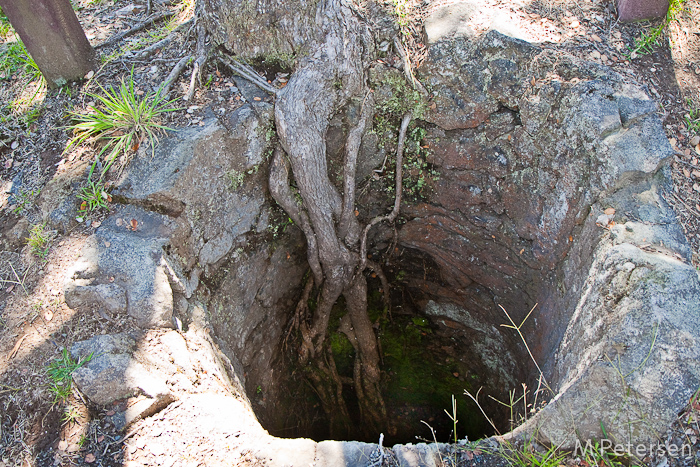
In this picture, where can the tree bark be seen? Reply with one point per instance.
(53, 37)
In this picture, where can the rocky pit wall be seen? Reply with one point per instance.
(532, 147)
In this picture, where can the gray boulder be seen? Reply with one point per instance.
(210, 178)
(112, 373)
(122, 269)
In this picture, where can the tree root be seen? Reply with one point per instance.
(352, 149)
(397, 201)
(174, 73)
(118, 37)
(250, 74)
(386, 298)
(301, 311)
(202, 53)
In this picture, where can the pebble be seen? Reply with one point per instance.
(596, 38)
(595, 55)
(575, 24)
(652, 70)
(695, 140)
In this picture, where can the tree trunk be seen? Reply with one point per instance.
(53, 37)
(334, 50)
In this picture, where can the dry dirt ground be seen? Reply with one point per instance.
(37, 427)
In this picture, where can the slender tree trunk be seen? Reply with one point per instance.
(53, 37)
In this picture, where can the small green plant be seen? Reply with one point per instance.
(70, 415)
(17, 64)
(23, 200)
(401, 10)
(692, 118)
(403, 98)
(235, 179)
(280, 228)
(275, 60)
(453, 417)
(93, 195)
(5, 27)
(60, 372)
(125, 121)
(646, 43)
(38, 240)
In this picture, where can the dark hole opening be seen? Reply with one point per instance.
(426, 359)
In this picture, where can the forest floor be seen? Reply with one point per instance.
(37, 425)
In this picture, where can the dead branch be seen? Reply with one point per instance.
(250, 74)
(202, 53)
(397, 200)
(118, 37)
(165, 87)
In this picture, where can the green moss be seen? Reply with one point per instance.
(343, 353)
(277, 61)
(397, 98)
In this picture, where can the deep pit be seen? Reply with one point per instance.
(508, 223)
(542, 190)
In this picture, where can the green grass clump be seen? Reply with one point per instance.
(123, 123)
(94, 195)
(60, 372)
(529, 456)
(38, 240)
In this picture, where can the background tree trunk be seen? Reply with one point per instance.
(53, 37)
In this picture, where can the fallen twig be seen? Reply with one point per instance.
(678, 159)
(407, 68)
(19, 281)
(117, 37)
(689, 208)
